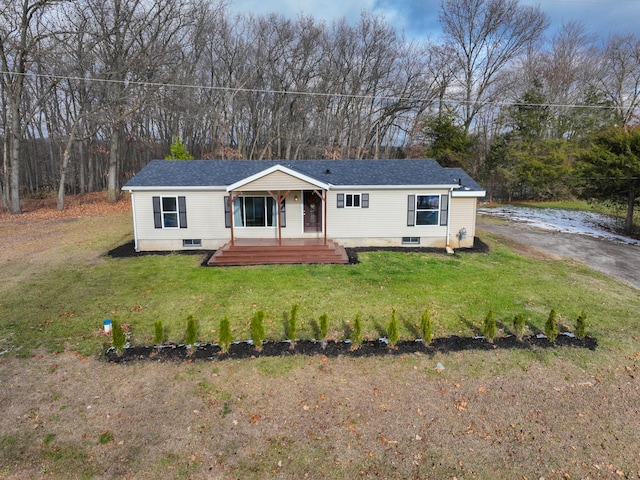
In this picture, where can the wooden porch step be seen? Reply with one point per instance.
(266, 252)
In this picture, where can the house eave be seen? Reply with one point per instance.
(173, 188)
(395, 187)
(469, 193)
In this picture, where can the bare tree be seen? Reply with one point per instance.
(620, 78)
(136, 49)
(485, 35)
(569, 74)
(23, 25)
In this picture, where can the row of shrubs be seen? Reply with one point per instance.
(489, 329)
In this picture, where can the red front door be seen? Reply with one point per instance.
(312, 212)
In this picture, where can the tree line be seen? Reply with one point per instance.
(92, 90)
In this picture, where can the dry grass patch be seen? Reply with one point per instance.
(519, 414)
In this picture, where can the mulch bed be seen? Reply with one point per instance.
(128, 250)
(239, 350)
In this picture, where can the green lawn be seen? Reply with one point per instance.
(64, 308)
(543, 412)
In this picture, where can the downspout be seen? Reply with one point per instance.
(449, 218)
(135, 224)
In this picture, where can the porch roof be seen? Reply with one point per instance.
(289, 174)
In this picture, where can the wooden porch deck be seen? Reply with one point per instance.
(266, 251)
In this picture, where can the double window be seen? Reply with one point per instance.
(353, 200)
(254, 211)
(426, 210)
(170, 212)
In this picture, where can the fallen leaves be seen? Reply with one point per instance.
(461, 405)
(386, 440)
(255, 418)
(76, 206)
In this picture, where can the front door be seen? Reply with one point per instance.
(312, 212)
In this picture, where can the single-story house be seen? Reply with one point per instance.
(207, 204)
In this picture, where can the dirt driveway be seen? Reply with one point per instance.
(618, 260)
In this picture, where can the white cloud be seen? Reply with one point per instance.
(327, 10)
(418, 18)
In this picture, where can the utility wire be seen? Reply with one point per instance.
(301, 93)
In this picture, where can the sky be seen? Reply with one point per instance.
(419, 18)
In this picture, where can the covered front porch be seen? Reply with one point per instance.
(269, 251)
(277, 216)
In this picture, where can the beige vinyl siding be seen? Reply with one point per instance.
(277, 181)
(383, 223)
(463, 215)
(205, 221)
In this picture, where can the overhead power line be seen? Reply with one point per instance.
(302, 93)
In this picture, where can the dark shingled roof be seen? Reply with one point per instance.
(466, 182)
(222, 173)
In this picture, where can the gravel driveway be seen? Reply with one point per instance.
(616, 259)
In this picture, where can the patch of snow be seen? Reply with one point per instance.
(564, 221)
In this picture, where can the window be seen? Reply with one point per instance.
(411, 240)
(427, 209)
(186, 243)
(255, 212)
(353, 200)
(169, 212)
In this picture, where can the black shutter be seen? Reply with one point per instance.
(340, 198)
(182, 212)
(411, 211)
(444, 209)
(364, 203)
(227, 212)
(283, 214)
(157, 214)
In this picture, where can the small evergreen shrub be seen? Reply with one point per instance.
(291, 322)
(324, 326)
(356, 333)
(257, 329)
(118, 336)
(489, 329)
(426, 327)
(581, 325)
(192, 332)
(158, 333)
(225, 335)
(551, 327)
(392, 329)
(518, 326)
(324, 329)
